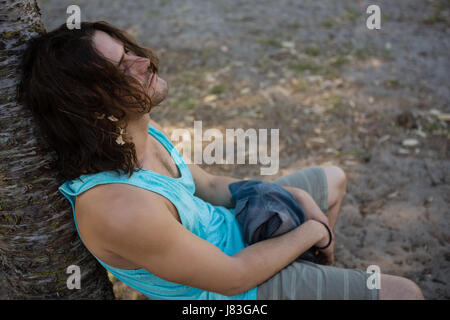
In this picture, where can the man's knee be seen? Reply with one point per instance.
(412, 290)
(341, 179)
(337, 183)
(399, 288)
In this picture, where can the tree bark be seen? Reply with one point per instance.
(38, 239)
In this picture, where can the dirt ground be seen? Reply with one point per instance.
(370, 101)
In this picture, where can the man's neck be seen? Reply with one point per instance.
(138, 130)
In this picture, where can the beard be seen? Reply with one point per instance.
(158, 90)
(155, 88)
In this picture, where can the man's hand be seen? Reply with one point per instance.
(309, 206)
(326, 256)
(313, 212)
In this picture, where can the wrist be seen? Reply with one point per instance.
(328, 237)
(323, 232)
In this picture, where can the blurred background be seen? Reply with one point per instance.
(374, 102)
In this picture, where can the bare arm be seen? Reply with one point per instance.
(263, 259)
(214, 189)
(309, 206)
(211, 188)
(141, 229)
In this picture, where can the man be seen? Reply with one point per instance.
(167, 229)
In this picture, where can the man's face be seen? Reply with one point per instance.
(135, 66)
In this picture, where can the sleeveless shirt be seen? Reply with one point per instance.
(215, 224)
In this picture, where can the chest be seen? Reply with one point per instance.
(158, 159)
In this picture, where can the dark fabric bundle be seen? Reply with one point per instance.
(265, 210)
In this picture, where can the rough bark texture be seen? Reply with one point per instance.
(38, 239)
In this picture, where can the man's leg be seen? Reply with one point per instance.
(329, 182)
(306, 280)
(326, 185)
(399, 288)
(392, 287)
(337, 188)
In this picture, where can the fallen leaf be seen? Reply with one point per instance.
(444, 117)
(317, 140)
(210, 98)
(410, 142)
(393, 194)
(434, 112)
(288, 44)
(384, 138)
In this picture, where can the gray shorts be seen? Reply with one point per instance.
(307, 280)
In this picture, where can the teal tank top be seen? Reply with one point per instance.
(215, 224)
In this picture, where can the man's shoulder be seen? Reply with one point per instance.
(107, 214)
(111, 199)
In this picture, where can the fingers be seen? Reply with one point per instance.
(326, 256)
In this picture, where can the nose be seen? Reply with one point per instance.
(140, 65)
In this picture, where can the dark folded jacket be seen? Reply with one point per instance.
(265, 210)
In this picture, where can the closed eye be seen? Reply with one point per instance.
(125, 51)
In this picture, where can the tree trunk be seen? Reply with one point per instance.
(38, 239)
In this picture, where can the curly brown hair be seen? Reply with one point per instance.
(68, 85)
